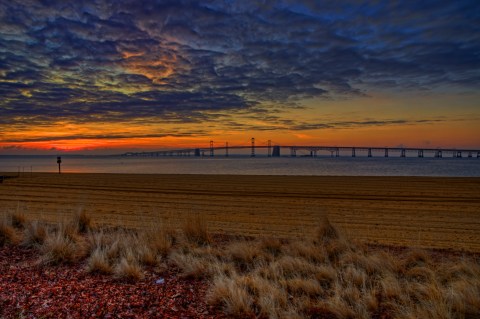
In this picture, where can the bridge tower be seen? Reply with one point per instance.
(269, 154)
(211, 148)
(226, 149)
(403, 153)
(253, 147)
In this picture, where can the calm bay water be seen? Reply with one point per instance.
(347, 166)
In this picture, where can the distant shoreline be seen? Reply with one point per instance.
(9, 175)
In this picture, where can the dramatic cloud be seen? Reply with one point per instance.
(194, 61)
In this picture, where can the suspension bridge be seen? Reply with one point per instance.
(276, 150)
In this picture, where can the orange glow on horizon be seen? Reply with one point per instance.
(149, 135)
(426, 136)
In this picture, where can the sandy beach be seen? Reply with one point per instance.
(404, 211)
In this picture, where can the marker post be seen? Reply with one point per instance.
(59, 162)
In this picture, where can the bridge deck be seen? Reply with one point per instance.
(210, 151)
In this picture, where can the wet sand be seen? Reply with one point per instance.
(404, 211)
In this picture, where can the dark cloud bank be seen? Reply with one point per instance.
(178, 60)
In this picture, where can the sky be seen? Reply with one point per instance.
(105, 77)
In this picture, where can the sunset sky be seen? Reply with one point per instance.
(103, 77)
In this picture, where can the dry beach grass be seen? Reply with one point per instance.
(241, 238)
(326, 276)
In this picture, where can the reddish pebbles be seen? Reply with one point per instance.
(67, 291)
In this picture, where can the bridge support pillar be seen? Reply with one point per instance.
(353, 151)
(276, 151)
(402, 153)
(478, 154)
(420, 153)
(211, 148)
(226, 149)
(293, 152)
(459, 154)
(438, 154)
(369, 152)
(269, 148)
(469, 154)
(386, 152)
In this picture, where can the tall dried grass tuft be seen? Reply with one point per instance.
(334, 249)
(82, 222)
(302, 286)
(69, 229)
(287, 267)
(458, 270)
(147, 256)
(98, 262)
(270, 297)
(58, 248)
(195, 229)
(464, 297)
(34, 234)
(19, 220)
(334, 307)
(7, 232)
(356, 276)
(128, 269)
(160, 239)
(326, 232)
(244, 254)
(271, 245)
(232, 295)
(415, 257)
(191, 266)
(326, 275)
(391, 288)
(98, 239)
